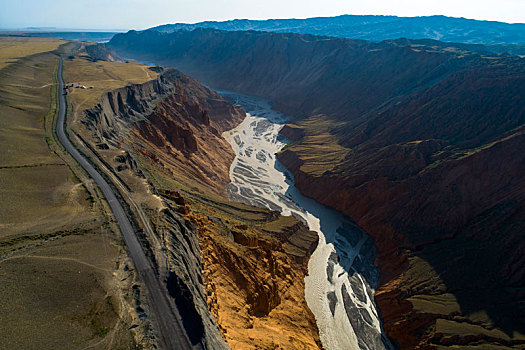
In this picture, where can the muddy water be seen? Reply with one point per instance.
(341, 274)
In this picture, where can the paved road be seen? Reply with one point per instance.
(166, 317)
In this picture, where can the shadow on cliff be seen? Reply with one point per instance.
(471, 266)
(483, 266)
(191, 320)
(340, 231)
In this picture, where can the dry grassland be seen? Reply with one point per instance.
(58, 252)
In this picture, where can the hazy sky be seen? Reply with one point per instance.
(140, 14)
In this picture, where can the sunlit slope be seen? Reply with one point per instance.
(14, 48)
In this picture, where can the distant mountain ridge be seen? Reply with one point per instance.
(378, 28)
(98, 37)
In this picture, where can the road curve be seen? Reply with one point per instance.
(164, 314)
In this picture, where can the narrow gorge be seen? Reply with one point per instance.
(341, 278)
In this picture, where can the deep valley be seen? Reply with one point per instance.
(419, 143)
(349, 182)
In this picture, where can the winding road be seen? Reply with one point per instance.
(171, 334)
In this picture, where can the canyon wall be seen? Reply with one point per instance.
(418, 142)
(176, 119)
(115, 122)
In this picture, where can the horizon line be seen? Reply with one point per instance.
(48, 28)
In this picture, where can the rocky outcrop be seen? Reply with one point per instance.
(184, 133)
(255, 284)
(184, 280)
(178, 121)
(117, 110)
(102, 52)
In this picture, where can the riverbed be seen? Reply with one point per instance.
(339, 287)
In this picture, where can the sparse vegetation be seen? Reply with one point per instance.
(57, 254)
(14, 48)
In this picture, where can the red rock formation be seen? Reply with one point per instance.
(256, 286)
(183, 133)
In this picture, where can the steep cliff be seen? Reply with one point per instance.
(255, 282)
(186, 132)
(418, 142)
(450, 241)
(176, 120)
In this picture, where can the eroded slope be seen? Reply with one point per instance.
(161, 140)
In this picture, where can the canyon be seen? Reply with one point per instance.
(235, 272)
(329, 193)
(341, 276)
(417, 141)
